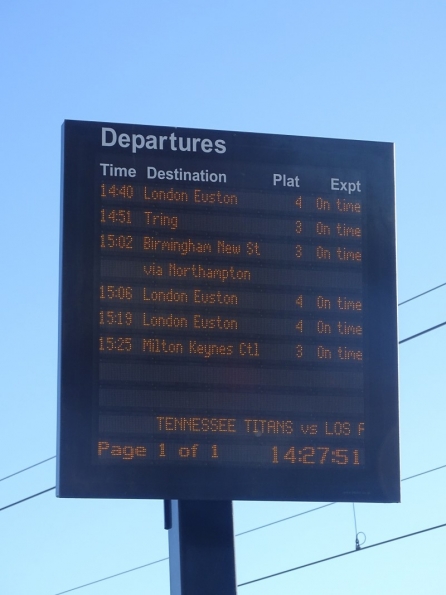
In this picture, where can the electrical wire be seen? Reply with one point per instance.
(28, 498)
(26, 468)
(420, 294)
(165, 559)
(367, 547)
(285, 519)
(330, 504)
(112, 576)
(423, 332)
(423, 472)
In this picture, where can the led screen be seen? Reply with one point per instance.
(228, 316)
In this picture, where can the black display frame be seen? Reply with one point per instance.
(77, 476)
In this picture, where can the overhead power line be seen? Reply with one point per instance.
(26, 468)
(422, 332)
(424, 472)
(112, 576)
(420, 294)
(293, 516)
(27, 498)
(361, 549)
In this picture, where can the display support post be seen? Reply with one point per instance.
(201, 547)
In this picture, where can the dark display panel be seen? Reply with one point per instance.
(228, 316)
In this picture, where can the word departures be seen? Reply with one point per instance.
(228, 316)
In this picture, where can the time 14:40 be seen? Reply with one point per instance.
(117, 191)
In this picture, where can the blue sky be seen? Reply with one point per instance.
(369, 71)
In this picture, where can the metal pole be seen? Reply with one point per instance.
(201, 548)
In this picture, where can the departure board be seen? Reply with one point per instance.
(227, 316)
